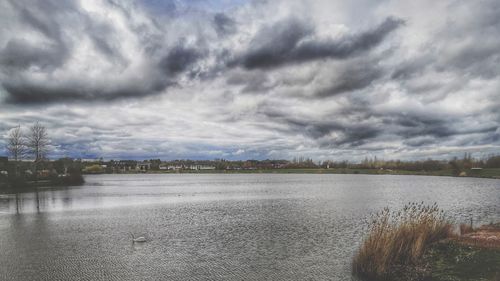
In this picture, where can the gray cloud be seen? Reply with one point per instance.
(224, 25)
(253, 82)
(180, 80)
(328, 132)
(354, 77)
(73, 55)
(179, 59)
(18, 54)
(287, 42)
(20, 92)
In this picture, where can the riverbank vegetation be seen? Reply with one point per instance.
(398, 240)
(472, 255)
(418, 243)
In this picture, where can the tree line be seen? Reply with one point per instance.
(457, 165)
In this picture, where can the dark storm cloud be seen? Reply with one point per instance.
(18, 54)
(409, 68)
(273, 45)
(349, 135)
(327, 132)
(290, 41)
(30, 65)
(418, 142)
(41, 93)
(179, 59)
(359, 125)
(354, 77)
(224, 25)
(415, 128)
(423, 129)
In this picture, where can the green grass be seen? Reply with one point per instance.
(485, 173)
(449, 261)
(316, 171)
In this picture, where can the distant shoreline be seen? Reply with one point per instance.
(493, 173)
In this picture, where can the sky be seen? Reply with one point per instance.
(255, 79)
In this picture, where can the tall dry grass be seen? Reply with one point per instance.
(465, 228)
(398, 239)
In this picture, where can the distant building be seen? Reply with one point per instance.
(90, 160)
(143, 166)
(45, 173)
(201, 167)
(175, 167)
(124, 166)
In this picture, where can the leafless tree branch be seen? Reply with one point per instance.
(16, 144)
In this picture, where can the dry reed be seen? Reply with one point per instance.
(398, 239)
(465, 228)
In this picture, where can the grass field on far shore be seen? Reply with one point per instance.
(485, 173)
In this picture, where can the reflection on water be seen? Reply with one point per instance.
(215, 227)
(39, 199)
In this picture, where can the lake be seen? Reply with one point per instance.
(215, 226)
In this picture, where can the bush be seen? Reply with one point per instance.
(397, 240)
(93, 169)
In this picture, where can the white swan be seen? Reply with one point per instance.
(138, 239)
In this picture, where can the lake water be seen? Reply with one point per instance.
(214, 226)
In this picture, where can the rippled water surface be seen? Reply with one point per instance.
(214, 227)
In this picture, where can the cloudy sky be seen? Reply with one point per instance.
(254, 79)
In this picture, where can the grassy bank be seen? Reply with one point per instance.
(485, 173)
(454, 261)
(417, 243)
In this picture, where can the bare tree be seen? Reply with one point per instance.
(38, 142)
(16, 146)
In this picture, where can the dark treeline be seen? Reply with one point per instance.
(457, 165)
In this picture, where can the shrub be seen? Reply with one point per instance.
(465, 228)
(93, 169)
(397, 240)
